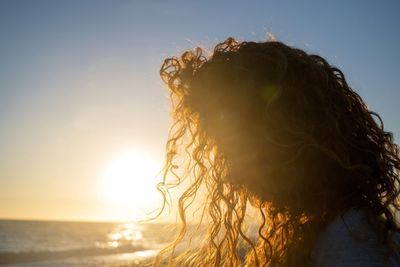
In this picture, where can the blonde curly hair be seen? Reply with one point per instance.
(269, 125)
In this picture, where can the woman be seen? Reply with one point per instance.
(269, 126)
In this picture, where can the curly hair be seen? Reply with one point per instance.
(268, 126)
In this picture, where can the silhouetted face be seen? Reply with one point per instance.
(233, 117)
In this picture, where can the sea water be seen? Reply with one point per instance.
(46, 243)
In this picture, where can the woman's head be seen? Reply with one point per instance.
(279, 127)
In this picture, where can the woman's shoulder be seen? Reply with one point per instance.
(349, 240)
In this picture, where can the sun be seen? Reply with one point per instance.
(129, 184)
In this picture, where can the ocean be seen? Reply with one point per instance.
(48, 243)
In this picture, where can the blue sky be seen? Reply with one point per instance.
(79, 80)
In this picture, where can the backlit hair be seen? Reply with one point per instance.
(324, 153)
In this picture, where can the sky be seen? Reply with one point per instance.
(80, 91)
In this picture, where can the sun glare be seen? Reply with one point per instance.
(129, 183)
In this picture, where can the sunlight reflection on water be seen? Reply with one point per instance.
(70, 244)
(125, 234)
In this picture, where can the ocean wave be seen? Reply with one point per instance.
(35, 256)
